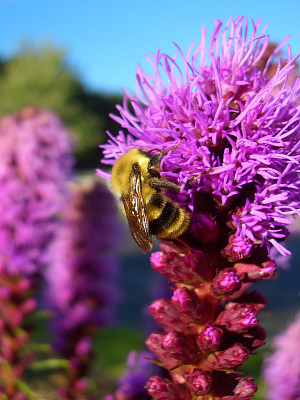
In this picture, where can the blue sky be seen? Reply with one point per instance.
(106, 39)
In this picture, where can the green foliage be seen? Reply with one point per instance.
(41, 76)
(112, 346)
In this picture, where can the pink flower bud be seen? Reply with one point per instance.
(187, 302)
(204, 228)
(184, 265)
(238, 318)
(29, 306)
(245, 388)
(254, 298)
(80, 386)
(164, 389)
(254, 273)
(154, 343)
(5, 292)
(83, 347)
(237, 248)
(200, 382)
(209, 339)
(180, 347)
(229, 358)
(226, 282)
(166, 315)
(23, 285)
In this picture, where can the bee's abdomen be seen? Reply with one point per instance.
(172, 221)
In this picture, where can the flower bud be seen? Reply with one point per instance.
(154, 343)
(179, 264)
(187, 302)
(237, 248)
(209, 339)
(229, 358)
(238, 317)
(200, 264)
(180, 347)
(29, 306)
(200, 382)
(83, 347)
(22, 285)
(16, 317)
(164, 389)
(80, 386)
(245, 388)
(226, 282)
(254, 298)
(166, 315)
(5, 293)
(254, 273)
(204, 228)
(168, 261)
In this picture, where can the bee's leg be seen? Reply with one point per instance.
(162, 184)
(155, 160)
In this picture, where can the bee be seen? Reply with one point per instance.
(136, 179)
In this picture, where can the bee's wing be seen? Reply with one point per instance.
(136, 212)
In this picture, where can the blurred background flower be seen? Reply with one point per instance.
(35, 165)
(81, 281)
(281, 369)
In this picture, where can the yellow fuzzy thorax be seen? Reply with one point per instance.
(122, 169)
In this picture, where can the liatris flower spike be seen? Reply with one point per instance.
(82, 289)
(228, 135)
(281, 370)
(35, 164)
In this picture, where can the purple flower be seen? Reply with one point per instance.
(81, 280)
(35, 164)
(239, 140)
(229, 130)
(281, 369)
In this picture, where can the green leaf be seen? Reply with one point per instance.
(39, 347)
(51, 363)
(25, 388)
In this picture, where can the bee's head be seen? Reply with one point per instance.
(122, 169)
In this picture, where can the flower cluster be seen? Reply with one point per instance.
(239, 142)
(230, 132)
(35, 163)
(84, 296)
(282, 369)
(210, 324)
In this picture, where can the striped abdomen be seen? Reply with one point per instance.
(166, 219)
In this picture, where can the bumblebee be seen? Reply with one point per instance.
(136, 179)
